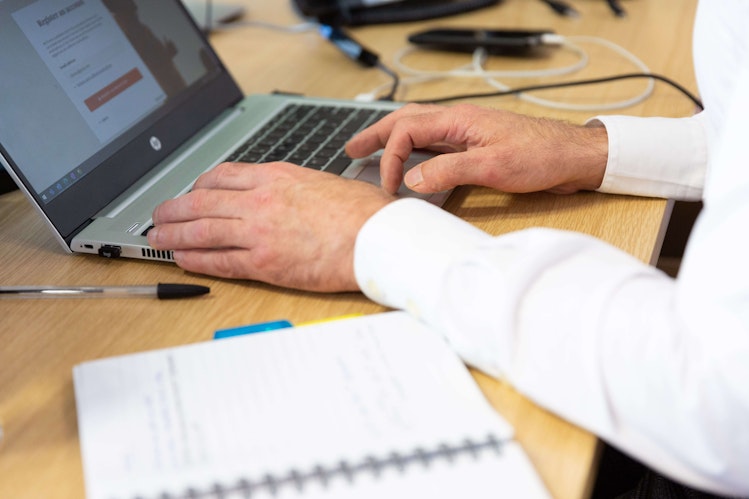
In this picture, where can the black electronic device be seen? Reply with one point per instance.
(495, 41)
(362, 12)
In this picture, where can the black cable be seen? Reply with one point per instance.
(396, 81)
(357, 52)
(515, 91)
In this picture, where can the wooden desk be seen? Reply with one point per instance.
(40, 341)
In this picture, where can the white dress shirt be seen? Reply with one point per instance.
(655, 366)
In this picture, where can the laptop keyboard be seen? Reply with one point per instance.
(309, 135)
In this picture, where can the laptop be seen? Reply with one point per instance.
(209, 14)
(110, 107)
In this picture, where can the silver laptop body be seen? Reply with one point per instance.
(110, 107)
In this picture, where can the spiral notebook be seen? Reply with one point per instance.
(371, 407)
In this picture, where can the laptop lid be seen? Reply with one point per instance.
(96, 93)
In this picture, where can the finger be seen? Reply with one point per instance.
(237, 263)
(391, 177)
(371, 139)
(244, 176)
(200, 234)
(227, 263)
(232, 176)
(393, 133)
(200, 203)
(415, 132)
(451, 170)
(374, 137)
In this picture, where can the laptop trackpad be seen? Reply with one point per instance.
(371, 173)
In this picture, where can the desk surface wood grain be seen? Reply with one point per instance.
(40, 340)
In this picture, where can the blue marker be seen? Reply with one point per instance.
(353, 49)
(251, 328)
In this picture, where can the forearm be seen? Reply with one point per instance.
(575, 324)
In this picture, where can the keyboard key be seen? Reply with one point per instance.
(310, 135)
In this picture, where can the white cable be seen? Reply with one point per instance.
(476, 70)
(583, 107)
(466, 71)
(470, 72)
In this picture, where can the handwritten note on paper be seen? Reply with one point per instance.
(288, 399)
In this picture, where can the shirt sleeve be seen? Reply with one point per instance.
(581, 328)
(657, 157)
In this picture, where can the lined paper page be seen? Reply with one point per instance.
(266, 404)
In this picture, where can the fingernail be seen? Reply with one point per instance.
(414, 177)
(153, 235)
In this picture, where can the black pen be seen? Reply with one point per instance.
(561, 8)
(161, 291)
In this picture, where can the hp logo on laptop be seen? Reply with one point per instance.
(155, 143)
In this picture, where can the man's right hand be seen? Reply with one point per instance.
(481, 146)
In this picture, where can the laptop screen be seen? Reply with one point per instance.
(97, 92)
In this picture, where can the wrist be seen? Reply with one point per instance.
(595, 159)
(582, 154)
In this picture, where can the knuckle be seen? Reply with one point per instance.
(197, 201)
(264, 264)
(263, 198)
(262, 258)
(203, 233)
(496, 156)
(225, 170)
(226, 266)
(218, 173)
(411, 107)
(467, 109)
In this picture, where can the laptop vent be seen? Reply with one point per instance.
(153, 254)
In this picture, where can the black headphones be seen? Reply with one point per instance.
(343, 13)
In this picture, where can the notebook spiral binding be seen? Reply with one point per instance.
(297, 479)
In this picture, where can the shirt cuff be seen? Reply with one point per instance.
(403, 251)
(658, 157)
